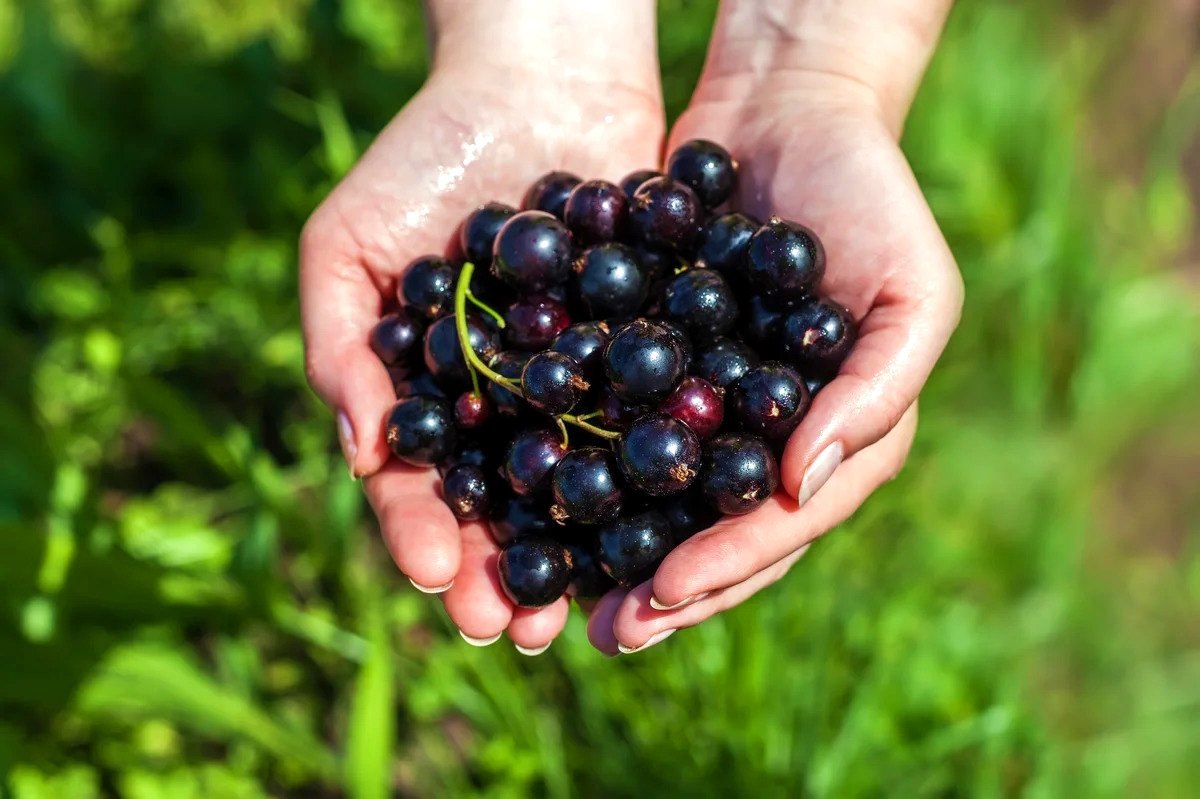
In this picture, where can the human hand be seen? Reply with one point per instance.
(816, 139)
(518, 88)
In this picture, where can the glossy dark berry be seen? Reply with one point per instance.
(507, 364)
(739, 473)
(549, 193)
(471, 411)
(702, 302)
(553, 383)
(665, 213)
(428, 286)
(814, 384)
(586, 487)
(397, 336)
(584, 341)
(610, 282)
(633, 181)
(477, 235)
(688, 513)
(473, 453)
(596, 212)
(615, 412)
(418, 385)
(785, 260)
(465, 489)
(770, 400)
(534, 571)
(723, 362)
(513, 516)
(698, 404)
(659, 455)
(629, 550)
(531, 459)
(723, 243)
(707, 167)
(532, 252)
(760, 324)
(817, 336)
(680, 334)
(643, 361)
(420, 430)
(443, 352)
(531, 323)
(588, 580)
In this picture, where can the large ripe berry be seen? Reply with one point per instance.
(785, 260)
(588, 580)
(818, 335)
(665, 213)
(513, 516)
(617, 413)
(723, 243)
(698, 404)
(531, 459)
(586, 487)
(396, 337)
(507, 364)
(702, 302)
(643, 361)
(723, 362)
(471, 410)
(629, 550)
(534, 571)
(770, 400)
(596, 212)
(428, 285)
(634, 180)
(553, 383)
(610, 281)
(659, 455)
(477, 235)
(584, 341)
(531, 323)
(688, 513)
(532, 252)
(443, 352)
(549, 193)
(420, 430)
(466, 491)
(739, 474)
(761, 324)
(707, 167)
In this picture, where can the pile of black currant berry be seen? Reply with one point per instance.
(654, 352)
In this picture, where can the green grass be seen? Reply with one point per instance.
(192, 598)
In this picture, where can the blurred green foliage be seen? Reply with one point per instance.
(192, 600)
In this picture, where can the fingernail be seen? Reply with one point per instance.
(654, 639)
(346, 439)
(479, 641)
(426, 589)
(532, 652)
(654, 603)
(819, 471)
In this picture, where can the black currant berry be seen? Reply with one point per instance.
(739, 474)
(770, 400)
(531, 459)
(428, 285)
(817, 336)
(761, 324)
(723, 243)
(553, 383)
(465, 489)
(633, 181)
(507, 364)
(723, 362)
(588, 580)
(680, 334)
(688, 513)
(596, 212)
(659, 455)
(549, 193)
(629, 550)
(643, 361)
(517, 517)
(701, 302)
(584, 341)
(420, 430)
(534, 571)
(665, 213)
(610, 282)
(814, 384)
(617, 413)
(419, 385)
(532, 252)
(443, 352)
(531, 323)
(397, 336)
(471, 411)
(785, 260)
(586, 487)
(698, 404)
(707, 167)
(477, 235)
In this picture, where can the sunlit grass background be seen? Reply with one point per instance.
(192, 599)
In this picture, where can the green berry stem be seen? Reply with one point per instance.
(563, 428)
(483, 306)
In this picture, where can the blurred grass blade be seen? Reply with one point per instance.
(372, 730)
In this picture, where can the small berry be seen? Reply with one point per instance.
(596, 212)
(532, 252)
(471, 410)
(586, 487)
(707, 167)
(514, 516)
(643, 361)
(702, 302)
(723, 362)
(532, 323)
(588, 580)
(395, 337)
(428, 285)
(443, 352)
(665, 213)
(610, 282)
(584, 341)
(770, 400)
(629, 550)
(785, 259)
(633, 181)
(739, 474)
(549, 193)
(534, 571)
(553, 383)
(723, 243)
(465, 489)
(478, 232)
(818, 335)
(420, 430)
(698, 404)
(659, 455)
(531, 459)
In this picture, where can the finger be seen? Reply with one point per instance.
(476, 603)
(533, 629)
(600, 623)
(420, 532)
(738, 547)
(638, 625)
(339, 303)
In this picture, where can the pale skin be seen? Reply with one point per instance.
(810, 97)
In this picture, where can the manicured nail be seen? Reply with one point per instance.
(654, 639)
(435, 589)
(819, 471)
(346, 439)
(479, 641)
(683, 603)
(532, 652)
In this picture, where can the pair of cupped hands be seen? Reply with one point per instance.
(813, 145)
